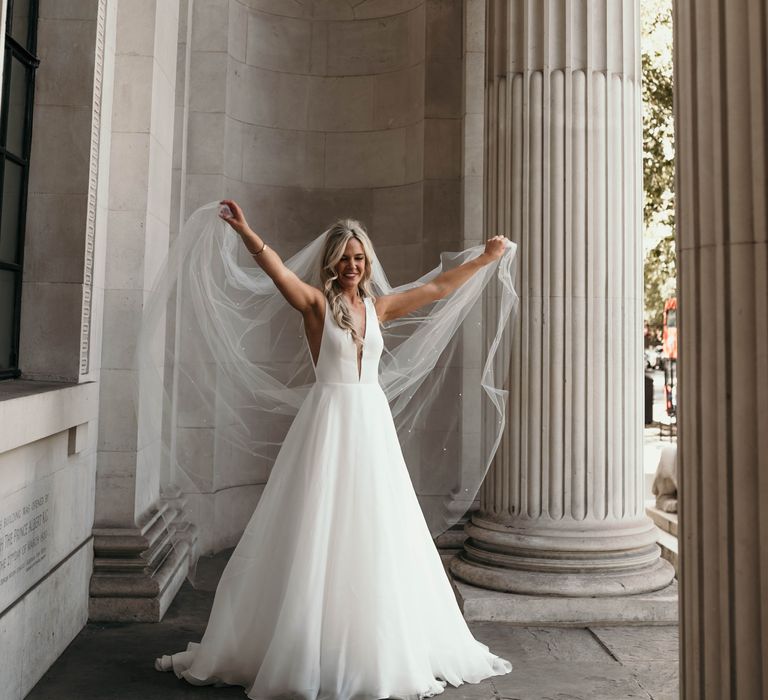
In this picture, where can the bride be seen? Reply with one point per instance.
(336, 590)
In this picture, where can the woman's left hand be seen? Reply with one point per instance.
(494, 247)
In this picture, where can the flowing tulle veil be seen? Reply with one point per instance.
(223, 367)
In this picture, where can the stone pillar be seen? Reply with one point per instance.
(562, 510)
(721, 104)
(137, 569)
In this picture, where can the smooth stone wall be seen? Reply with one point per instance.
(47, 474)
(306, 113)
(54, 287)
(41, 624)
(45, 512)
(338, 103)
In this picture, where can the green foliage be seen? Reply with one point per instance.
(660, 274)
(658, 158)
(658, 146)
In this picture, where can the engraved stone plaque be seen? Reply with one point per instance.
(25, 520)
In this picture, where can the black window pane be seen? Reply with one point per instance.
(19, 64)
(20, 22)
(17, 108)
(11, 209)
(7, 304)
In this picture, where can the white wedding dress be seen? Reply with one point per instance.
(336, 590)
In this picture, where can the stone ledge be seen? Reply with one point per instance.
(666, 534)
(29, 413)
(658, 607)
(145, 523)
(664, 521)
(18, 388)
(668, 545)
(42, 622)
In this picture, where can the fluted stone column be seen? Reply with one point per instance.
(562, 506)
(722, 193)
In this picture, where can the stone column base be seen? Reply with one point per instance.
(563, 559)
(138, 571)
(587, 585)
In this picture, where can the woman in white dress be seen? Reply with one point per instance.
(336, 590)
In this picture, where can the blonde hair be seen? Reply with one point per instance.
(336, 239)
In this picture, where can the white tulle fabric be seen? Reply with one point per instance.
(336, 590)
(224, 369)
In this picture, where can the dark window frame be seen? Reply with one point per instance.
(26, 55)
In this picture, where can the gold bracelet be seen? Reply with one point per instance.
(264, 245)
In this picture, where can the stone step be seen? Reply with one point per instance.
(666, 534)
(668, 544)
(663, 520)
(116, 598)
(146, 563)
(148, 522)
(137, 571)
(655, 608)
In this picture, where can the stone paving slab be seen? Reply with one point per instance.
(659, 678)
(531, 643)
(641, 644)
(569, 680)
(114, 662)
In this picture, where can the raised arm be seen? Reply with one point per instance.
(298, 294)
(396, 305)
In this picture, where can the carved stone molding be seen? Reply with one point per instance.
(93, 182)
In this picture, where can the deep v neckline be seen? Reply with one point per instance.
(359, 366)
(366, 320)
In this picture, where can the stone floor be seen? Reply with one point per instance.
(115, 661)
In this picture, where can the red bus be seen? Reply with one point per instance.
(669, 352)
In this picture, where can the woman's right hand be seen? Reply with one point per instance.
(237, 220)
(495, 247)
